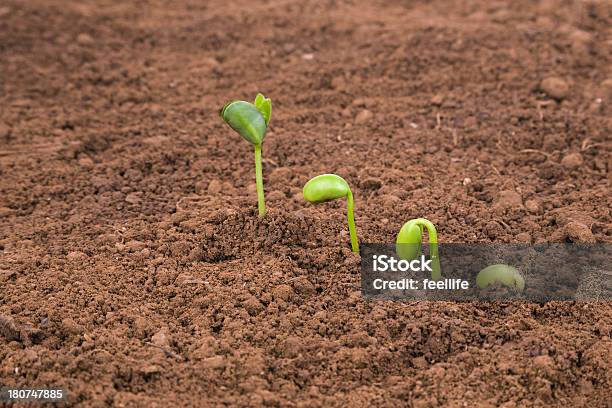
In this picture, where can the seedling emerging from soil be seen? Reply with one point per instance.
(251, 120)
(327, 187)
(410, 238)
(500, 273)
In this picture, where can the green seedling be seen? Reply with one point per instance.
(251, 120)
(500, 273)
(410, 238)
(327, 187)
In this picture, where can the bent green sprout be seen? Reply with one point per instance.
(327, 187)
(410, 238)
(250, 120)
(500, 273)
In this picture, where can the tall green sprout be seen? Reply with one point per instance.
(327, 187)
(250, 120)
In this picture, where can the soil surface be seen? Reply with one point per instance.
(134, 271)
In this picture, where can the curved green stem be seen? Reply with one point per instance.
(261, 201)
(436, 273)
(351, 222)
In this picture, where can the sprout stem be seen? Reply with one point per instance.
(436, 273)
(261, 201)
(351, 222)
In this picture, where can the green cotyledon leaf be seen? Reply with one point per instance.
(409, 240)
(264, 105)
(325, 187)
(245, 119)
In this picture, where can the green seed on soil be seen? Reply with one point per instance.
(328, 187)
(502, 274)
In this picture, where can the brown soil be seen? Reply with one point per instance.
(134, 271)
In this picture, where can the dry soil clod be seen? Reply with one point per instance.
(555, 87)
(572, 161)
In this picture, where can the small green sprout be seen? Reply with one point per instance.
(327, 187)
(410, 238)
(500, 273)
(251, 120)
